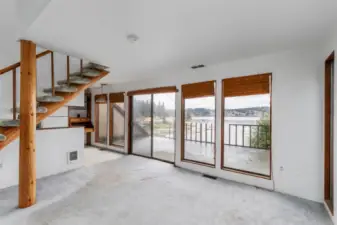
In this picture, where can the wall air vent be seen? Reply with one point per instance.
(72, 157)
(209, 176)
(197, 66)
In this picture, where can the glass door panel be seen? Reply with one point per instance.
(102, 123)
(164, 126)
(141, 125)
(117, 124)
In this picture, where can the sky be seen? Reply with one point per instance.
(209, 102)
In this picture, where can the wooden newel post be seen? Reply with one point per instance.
(27, 159)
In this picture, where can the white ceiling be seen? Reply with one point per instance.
(175, 34)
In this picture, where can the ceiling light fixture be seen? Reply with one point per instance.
(132, 38)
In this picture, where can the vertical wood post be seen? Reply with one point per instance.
(27, 160)
(52, 73)
(14, 94)
(68, 70)
(81, 66)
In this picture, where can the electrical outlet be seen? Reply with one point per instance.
(281, 168)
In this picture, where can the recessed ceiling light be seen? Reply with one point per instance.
(132, 38)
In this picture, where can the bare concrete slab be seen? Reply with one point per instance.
(135, 190)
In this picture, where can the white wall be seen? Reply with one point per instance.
(52, 147)
(57, 119)
(75, 112)
(297, 104)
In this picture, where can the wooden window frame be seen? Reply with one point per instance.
(239, 171)
(328, 168)
(159, 90)
(182, 127)
(97, 114)
(115, 98)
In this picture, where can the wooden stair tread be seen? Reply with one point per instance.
(2, 137)
(75, 80)
(10, 123)
(50, 99)
(98, 66)
(63, 89)
(39, 109)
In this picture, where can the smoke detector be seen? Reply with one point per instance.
(132, 38)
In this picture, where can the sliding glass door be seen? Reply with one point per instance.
(142, 125)
(153, 125)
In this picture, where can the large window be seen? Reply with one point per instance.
(101, 118)
(153, 123)
(117, 120)
(247, 124)
(198, 123)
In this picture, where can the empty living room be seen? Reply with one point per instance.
(148, 112)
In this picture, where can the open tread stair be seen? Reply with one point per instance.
(8, 134)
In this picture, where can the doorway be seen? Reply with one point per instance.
(152, 125)
(329, 132)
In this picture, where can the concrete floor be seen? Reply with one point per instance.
(93, 155)
(135, 190)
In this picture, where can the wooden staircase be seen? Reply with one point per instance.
(68, 90)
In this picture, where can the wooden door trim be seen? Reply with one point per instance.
(327, 133)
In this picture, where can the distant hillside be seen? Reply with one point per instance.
(247, 112)
(243, 112)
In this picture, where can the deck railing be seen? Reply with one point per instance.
(241, 135)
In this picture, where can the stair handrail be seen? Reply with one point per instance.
(13, 68)
(16, 65)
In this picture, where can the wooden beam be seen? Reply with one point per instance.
(27, 158)
(159, 90)
(14, 94)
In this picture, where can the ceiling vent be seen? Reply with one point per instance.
(197, 66)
